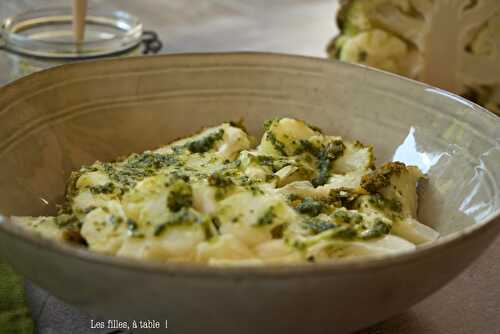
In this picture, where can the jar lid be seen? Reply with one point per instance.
(48, 33)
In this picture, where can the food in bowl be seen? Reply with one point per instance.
(299, 195)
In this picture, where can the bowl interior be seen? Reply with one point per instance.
(55, 121)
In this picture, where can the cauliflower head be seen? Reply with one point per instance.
(451, 44)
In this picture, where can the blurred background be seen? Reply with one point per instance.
(303, 27)
(287, 26)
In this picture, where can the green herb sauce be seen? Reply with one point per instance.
(206, 143)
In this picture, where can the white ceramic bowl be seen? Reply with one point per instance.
(54, 121)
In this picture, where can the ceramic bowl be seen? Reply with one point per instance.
(54, 121)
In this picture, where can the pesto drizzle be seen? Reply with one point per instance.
(206, 143)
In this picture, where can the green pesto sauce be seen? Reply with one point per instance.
(114, 220)
(381, 178)
(362, 56)
(314, 162)
(267, 218)
(347, 217)
(137, 167)
(348, 226)
(277, 231)
(326, 156)
(343, 197)
(310, 206)
(254, 189)
(220, 180)
(132, 226)
(182, 217)
(206, 143)
(317, 225)
(274, 163)
(239, 124)
(107, 188)
(270, 122)
(180, 196)
(305, 146)
(277, 144)
(265, 160)
(66, 220)
(150, 161)
(381, 203)
(378, 230)
(345, 232)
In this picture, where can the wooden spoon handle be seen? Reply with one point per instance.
(79, 14)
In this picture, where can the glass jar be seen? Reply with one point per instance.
(40, 39)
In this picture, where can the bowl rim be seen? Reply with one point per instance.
(282, 270)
